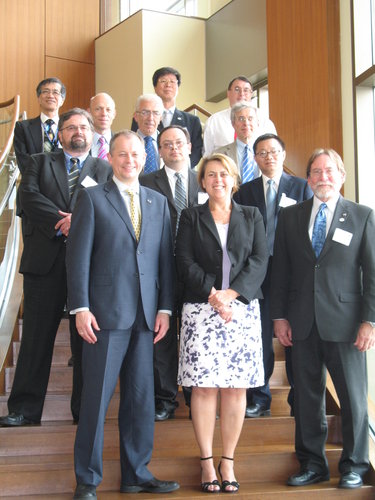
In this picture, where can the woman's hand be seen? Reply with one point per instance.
(220, 299)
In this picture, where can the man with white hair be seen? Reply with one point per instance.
(148, 113)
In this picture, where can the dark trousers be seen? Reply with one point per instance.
(165, 368)
(126, 354)
(44, 300)
(347, 366)
(76, 344)
(262, 395)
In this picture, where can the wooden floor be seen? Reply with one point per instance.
(37, 462)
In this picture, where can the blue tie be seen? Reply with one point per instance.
(271, 209)
(247, 166)
(151, 162)
(319, 230)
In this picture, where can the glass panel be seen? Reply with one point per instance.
(363, 16)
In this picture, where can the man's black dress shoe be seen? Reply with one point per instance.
(257, 410)
(350, 480)
(15, 420)
(305, 477)
(163, 414)
(85, 491)
(152, 486)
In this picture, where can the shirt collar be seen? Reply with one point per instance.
(44, 118)
(81, 158)
(126, 187)
(107, 136)
(154, 136)
(171, 173)
(331, 203)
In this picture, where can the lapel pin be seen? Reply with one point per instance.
(149, 201)
(343, 217)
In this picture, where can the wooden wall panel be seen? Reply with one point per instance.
(21, 51)
(78, 78)
(71, 28)
(303, 44)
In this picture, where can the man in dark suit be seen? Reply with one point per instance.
(323, 303)
(174, 147)
(39, 134)
(166, 82)
(120, 280)
(269, 151)
(48, 194)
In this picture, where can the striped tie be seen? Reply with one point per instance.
(103, 148)
(151, 161)
(73, 175)
(247, 166)
(179, 195)
(135, 215)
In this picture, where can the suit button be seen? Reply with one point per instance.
(139, 252)
(317, 266)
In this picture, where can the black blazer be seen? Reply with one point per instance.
(252, 193)
(158, 181)
(27, 140)
(337, 290)
(199, 253)
(43, 192)
(193, 125)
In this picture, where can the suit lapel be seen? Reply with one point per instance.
(116, 200)
(304, 214)
(58, 168)
(284, 188)
(35, 128)
(193, 188)
(178, 118)
(340, 211)
(259, 196)
(236, 217)
(208, 221)
(161, 180)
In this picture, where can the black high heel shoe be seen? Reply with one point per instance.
(206, 485)
(225, 483)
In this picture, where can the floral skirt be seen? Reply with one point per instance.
(218, 354)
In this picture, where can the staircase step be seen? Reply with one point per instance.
(61, 353)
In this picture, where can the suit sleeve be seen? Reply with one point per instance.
(78, 252)
(368, 269)
(196, 141)
(19, 144)
(281, 270)
(39, 209)
(188, 270)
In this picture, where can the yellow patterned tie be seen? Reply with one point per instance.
(135, 214)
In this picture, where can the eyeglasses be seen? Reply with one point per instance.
(244, 119)
(274, 153)
(164, 81)
(54, 92)
(240, 90)
(146, 113)
(75, 128)
(172, 145)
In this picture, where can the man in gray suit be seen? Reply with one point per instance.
(245, 123)
(120, 280)
(174, 148)
(323, 303)
(48, 192)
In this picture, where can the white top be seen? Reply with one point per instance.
(219, 130)
(222, 229)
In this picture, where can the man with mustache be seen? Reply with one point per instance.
(48, 192)
(323, 304)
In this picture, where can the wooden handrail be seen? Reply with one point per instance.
(9, 141)
(198, 108)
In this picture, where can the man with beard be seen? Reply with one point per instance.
(48, 192)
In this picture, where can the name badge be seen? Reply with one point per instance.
(285, 201)
(342, 236)
(88, 182)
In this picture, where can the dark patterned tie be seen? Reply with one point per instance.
(151, 161)
(73, 175)
(319, 231)
(49, 136)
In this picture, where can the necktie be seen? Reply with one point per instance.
(247, 166)
(49, 136)
(179, 195)
(271, 209)
(319, 230)
(135, 215)
(73, 175)
(151, 161)
(103, 148)
(166, 118)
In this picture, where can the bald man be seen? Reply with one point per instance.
(103, 112)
